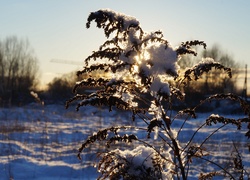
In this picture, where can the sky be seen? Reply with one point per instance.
(56, 28)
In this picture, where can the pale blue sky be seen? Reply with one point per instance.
(56, 28)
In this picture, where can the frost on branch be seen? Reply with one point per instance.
(110, 21)
(205, 66)
(135, 61)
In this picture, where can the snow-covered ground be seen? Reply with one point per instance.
(41, 142)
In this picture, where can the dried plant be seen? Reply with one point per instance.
(142, 76)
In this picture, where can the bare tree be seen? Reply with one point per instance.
(18, 69)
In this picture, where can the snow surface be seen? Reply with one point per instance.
(41, 142)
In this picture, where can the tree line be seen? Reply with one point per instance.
(18, 70)
(19, 74)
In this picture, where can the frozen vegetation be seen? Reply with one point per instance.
(144, 79)
(41, 142)
(127, 127)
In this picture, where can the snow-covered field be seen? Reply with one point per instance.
(41, 142)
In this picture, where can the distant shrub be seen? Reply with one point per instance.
(145, 80)
(60, 88)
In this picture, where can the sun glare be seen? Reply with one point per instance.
(136, 68)
(146, 55)
(138, 59)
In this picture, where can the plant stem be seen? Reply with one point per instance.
(177, 153)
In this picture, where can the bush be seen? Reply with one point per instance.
(146, 81)
(60, 88)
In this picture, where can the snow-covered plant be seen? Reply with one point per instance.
(142, 76)
(140, 163)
